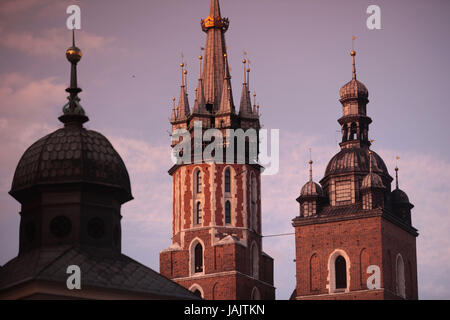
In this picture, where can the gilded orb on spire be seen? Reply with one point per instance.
(353, 53)
(73, 54)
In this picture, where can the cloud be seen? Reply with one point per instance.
(51, 42)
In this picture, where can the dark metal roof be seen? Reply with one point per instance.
(311, 189)
(372, 180)
(354, 89)
(355, 160)
(399, 197)
(99, 269)
(72, 154)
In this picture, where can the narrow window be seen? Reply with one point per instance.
(227, 212)
(198, 213)
(353, 131)
(227, 180)
(198, 258)
(341, 273)
(401, 291)
(198, 181)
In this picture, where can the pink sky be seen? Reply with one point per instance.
(299, 54)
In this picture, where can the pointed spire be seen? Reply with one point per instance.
(226, 101)
(310, 165)
(183, 110)
(173, 117)
(255, 112)
(73, 113)
(199, 104)
(214, 8)
(213, 72)
(246, 103)
(396, 171)
(396, 177)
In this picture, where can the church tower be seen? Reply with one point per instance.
(216, 249)
(354, 238)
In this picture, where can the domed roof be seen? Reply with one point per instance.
(354, 89)
(311, 189)
(399, 197)
(72, 154)
(372, 180)
(355, 160)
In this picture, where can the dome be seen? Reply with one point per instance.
(355, 160)
(311, 189)
(72, 154)
(354, 89)
(372, 180)
(399, 197)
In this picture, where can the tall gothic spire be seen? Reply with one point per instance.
(226, 101)
(245, 108)
(199, 104)
(73, 112)
(183, 110)
(214, 67)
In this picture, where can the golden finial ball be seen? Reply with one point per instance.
(248, 70)
(173, 99)
(73, 54)
(244, 61)
(225, 55)
(200, 57)
(353, 53)
(182, 64)
(185, 71)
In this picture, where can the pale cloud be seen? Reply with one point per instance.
(51, 42)
(17, 6)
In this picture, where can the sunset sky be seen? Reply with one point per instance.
(299, 53)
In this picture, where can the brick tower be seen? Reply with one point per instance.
(216, 249)
(353, 237)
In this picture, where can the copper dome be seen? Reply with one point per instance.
(355, 160)
(372, 180)
(354, 89)
(311, 189)
(399, 197)
(69, 155)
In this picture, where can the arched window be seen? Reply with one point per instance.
(198, 213)
(314, 273)
(254, 261)
(198, 181)
(344, 132)
(227, 212)
(227, 180)
(400, 276)
(353, 131)
(341, 273)
(198, 258)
